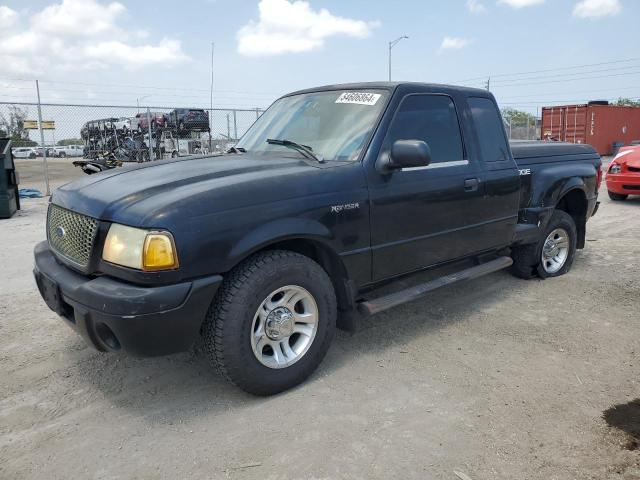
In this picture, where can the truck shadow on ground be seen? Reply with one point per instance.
(177, 387)
(626, 417)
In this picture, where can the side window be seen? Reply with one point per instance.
(488, 124)
(431, 118)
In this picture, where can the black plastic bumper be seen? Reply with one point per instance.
(112, 315)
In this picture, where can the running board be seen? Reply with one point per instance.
(377, 305)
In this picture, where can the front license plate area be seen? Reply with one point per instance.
(51, 294)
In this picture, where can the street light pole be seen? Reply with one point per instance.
(392, 44)
(138, 101)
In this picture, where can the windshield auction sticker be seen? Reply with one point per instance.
(360, 98)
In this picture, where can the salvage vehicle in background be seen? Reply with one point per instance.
(123, 124)
(333, 192)
(189, 119)
(24, 152)
(140, 123)
(623, 174)
(68, 151)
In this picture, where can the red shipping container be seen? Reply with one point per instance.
(598, 125)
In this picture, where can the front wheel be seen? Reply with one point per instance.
(553, 254)
(617, 197)
(272, 322)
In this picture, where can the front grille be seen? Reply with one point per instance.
(633, 169)
(71, 234)
(631, 187)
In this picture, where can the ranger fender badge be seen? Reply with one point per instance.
(344, 206)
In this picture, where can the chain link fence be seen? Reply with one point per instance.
(522, 128)
(112, 135)
(74, 124)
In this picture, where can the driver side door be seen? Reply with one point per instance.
(423, 216)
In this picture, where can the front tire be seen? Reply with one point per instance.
(553, 254)
(617, 197)
(272, 322)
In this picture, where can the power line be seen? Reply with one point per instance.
(567, 74)
(567, 80)
(144, 87)
(483, 77)
(578, 91)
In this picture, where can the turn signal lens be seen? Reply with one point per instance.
(159, 252)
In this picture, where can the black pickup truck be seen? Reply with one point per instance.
(264, 250)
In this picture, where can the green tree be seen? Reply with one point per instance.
(70, 141)
(517, 116)
(627, 102)
(13, 127)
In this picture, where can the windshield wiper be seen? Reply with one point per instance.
(305, 150)
(236, 150)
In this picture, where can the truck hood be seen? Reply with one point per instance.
(147, 195)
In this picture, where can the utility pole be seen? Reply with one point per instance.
(488, 84)
(211, 99)
(392, 44)
(44, 148)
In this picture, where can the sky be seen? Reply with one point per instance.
(158, 52)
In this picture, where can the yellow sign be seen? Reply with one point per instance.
(48, 125)
(30, 125)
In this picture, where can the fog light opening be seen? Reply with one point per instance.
(107, 337)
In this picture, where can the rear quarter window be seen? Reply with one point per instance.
(488, 124)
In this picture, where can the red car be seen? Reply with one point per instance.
(623, 175)
(158, 119)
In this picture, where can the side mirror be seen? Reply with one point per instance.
(405, 154)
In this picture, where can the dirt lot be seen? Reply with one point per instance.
(498, 378)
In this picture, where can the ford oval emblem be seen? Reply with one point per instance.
(60, 232)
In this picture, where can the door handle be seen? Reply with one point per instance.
(471, 185)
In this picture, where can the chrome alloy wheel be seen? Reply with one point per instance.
(284, 327)
(555, 250)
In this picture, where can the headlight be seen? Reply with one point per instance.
(615, 168)
(140, 249)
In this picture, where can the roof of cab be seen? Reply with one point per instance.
(392, 86)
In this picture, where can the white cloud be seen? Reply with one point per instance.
(596, 8)
(520, 3)
(475, 6)
(285, 27)
(79, 17)
(7, 17)
(80, 35)
(166, 52)
(454, 43)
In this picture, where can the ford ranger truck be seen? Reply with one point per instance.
(263, 251)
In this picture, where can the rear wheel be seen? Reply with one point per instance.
(272, 322)
(617, 197)
(553, 254)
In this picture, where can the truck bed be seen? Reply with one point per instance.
(529, 152)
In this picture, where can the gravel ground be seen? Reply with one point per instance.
(498, 378)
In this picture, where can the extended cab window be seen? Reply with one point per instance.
(431, 118)
(488, 123)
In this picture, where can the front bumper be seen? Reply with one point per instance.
(624, 183)
(113, 315)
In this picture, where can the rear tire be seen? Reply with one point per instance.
(240, 318)
(553, 254)
(617, 197)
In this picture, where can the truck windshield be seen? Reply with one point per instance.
(335, 124)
